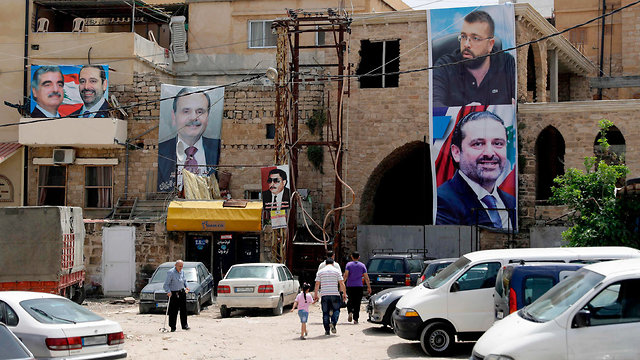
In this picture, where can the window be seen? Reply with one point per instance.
(379, 57)
(260, 34)
(7, 315)
(535, 286)
(321, 37)
(253, 194)
(271, 131)
(481, 276)
(618, 303)
(98, 187)
(52, 185)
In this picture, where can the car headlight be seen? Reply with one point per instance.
(381, 298)
(497, 357)
(146, 296)
(408, 312)
(191, 296)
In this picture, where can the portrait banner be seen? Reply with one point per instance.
(276, 194)
(189, 132)
(69, 90)
(472, 123)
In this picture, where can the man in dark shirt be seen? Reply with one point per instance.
(481, 80)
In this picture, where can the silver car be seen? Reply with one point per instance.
(382, 304)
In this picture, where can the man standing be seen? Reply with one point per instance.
(93, 85)
(479, 150)
(482, 79)
(189, 148)
(176, 287)
(277, 197)
(47, 88)
(354, 272)
(335, 264)
(331, 281)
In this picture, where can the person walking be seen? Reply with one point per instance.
(331, 281)
(176, 287)
(302, 302)
(354, 272)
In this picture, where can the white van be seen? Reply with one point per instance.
(595, 314)
(459, 300)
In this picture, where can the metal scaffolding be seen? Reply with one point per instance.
(333, 24)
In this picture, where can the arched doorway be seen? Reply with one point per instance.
(399, 191)
(550, 149)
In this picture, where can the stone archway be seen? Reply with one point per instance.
(399, 190)
(550, 151)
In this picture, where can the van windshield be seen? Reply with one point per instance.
(447, 273)
(557, 300)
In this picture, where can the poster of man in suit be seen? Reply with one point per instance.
(276, 194)
(189, 133)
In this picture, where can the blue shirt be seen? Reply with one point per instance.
(175, 281)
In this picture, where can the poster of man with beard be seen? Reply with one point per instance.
(468, 68)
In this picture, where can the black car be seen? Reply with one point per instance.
(199, 280)
(432, 267)
(393, 270)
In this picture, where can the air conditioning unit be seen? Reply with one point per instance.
(64, 156)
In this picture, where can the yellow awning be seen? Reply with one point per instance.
(210, 215)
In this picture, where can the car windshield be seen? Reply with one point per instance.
(447, 273)
(386, 266)
(58, 311)
(11, 349)
(557, 300)
(257, 272)
(160, 275)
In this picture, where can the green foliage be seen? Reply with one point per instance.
(600, 218)
(316, 156)
(316, 122)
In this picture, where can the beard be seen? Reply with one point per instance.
(475, 62)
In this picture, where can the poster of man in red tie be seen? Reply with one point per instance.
(189, 134)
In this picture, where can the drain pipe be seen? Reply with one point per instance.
(25, 79)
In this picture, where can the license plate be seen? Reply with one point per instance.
(243, 289)
(385, 279)
(94, 340)
(500, 315)
(161, 305)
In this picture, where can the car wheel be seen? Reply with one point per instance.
(225, 312)
(279, 308)
(196, 311)
(387, 320)
(79, 295)
(437, 339)
(142, 309)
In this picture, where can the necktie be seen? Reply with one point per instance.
(86, 114)
(191, 164)
(490, 201)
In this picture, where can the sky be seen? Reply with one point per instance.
(544, 7)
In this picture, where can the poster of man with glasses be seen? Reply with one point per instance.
(470, 40)
(276, 195)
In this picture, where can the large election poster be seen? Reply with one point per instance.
(189, 133)
(276, 194)
(69, 90)
(472, 121)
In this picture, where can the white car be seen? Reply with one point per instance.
(594, 314)
(51, 326)
(11, 347)
(257, 285)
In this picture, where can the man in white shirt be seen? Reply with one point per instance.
(330, 280)
(324, 263)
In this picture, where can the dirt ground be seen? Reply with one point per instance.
(257, 335)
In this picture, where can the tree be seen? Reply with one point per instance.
(599, 217)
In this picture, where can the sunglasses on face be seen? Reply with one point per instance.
(273, 180)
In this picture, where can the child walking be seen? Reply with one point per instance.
(302, 302)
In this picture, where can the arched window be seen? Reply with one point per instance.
(617, 147)
(550, 150)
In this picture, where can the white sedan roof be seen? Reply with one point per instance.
(26, 295)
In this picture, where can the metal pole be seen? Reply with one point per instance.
(133, 16)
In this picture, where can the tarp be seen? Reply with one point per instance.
(211, 215)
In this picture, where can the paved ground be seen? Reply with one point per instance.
(257, 335)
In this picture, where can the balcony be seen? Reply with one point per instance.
(75, 132)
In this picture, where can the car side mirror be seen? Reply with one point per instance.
(455, 287)
(582, 319)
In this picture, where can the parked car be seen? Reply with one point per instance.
(457, 303)
(12, 347)
(594, 314)
(393, 270)
(257, 285)
(200, 282)
(382, 304)
(432, 267)
(518, 285)
(51, 326)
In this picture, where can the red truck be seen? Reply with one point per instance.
(42, 249)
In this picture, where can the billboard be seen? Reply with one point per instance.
(189, 132)
(472, 124)
(276, 194)
(69, 90)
